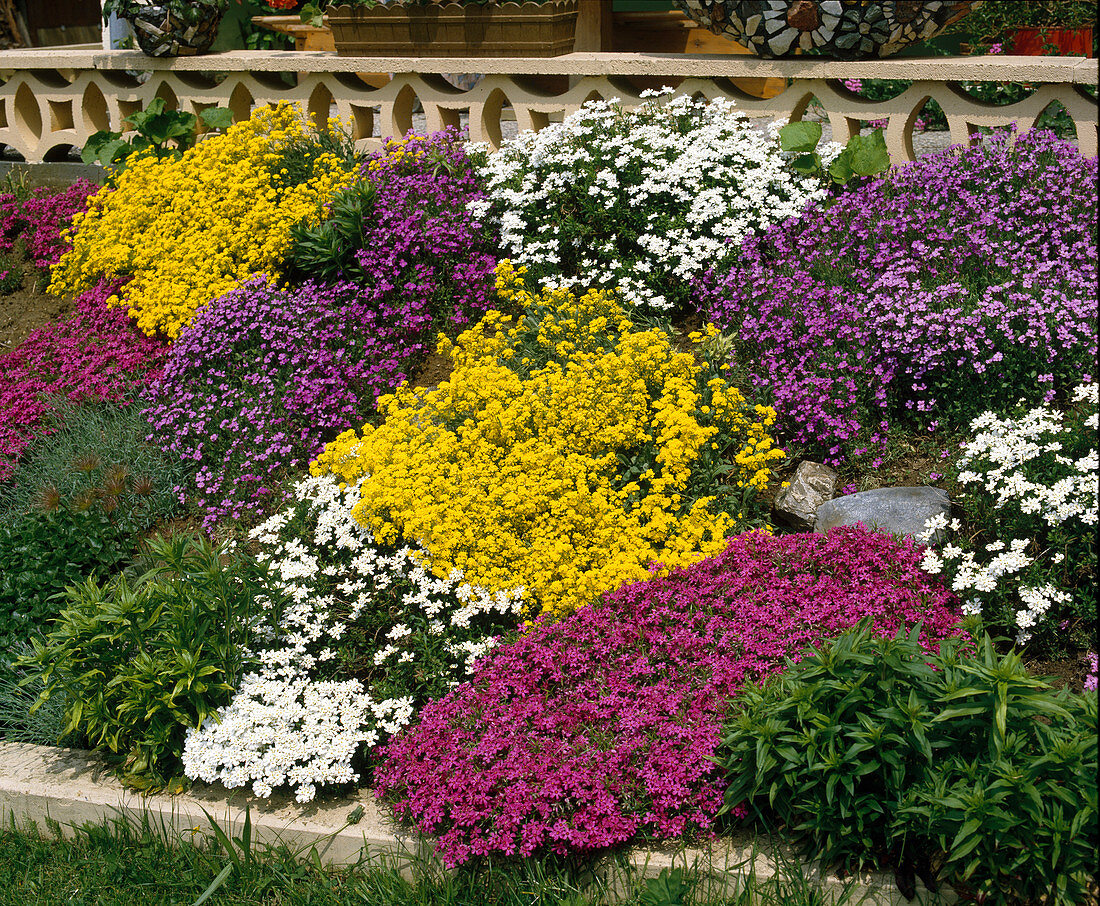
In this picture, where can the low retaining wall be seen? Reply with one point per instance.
(52, 100)
(75, 787)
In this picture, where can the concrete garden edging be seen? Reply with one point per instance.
(73, 788)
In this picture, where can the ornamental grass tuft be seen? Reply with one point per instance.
(586, 732)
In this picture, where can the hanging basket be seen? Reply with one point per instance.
(843, 31)
(159, 32)
(499, 29)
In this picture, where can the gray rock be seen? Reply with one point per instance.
(901, 511)
(812, 485)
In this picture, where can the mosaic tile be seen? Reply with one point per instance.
(843, 29)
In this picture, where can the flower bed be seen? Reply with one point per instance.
(93, 354)
(964, 281)
(586, 732)
(499, 473)
(528, 583)
(189, 230)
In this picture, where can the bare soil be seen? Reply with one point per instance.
(26, 310)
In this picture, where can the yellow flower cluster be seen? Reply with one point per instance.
(189, 230)
(397, 149)
(517, 470)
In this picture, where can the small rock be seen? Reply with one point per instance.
(900, 511)
(812, 485)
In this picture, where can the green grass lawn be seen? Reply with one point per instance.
(120, 864)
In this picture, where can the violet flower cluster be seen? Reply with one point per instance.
(963, 282)
(41, 218)
(406, 235)
(264, 377)
(586, 732)
(94, 353)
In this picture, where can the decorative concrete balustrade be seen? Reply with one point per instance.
(51, 100)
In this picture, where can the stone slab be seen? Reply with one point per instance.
(1072, 70)
(901, 511)
(74, 787)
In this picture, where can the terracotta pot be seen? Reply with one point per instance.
(499, 29)
(1070, 41)
(844, 31)
(161, 33)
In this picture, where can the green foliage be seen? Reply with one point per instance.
(120, 862)
(667, 889)
(43, 552)
(161, 132)
(875, 751)
(140, 661)
(326, 251)
(46, 725)
(994, 21)
(11, 274)
(864, 155)
(95, 452)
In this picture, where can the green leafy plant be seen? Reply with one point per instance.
(864, 155)
(160, 131)
(43, 552)
(44, 727)
(875, 751)
(140, 661)
(995, 20)
(11, 274)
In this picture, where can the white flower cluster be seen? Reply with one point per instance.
(1005, 446)
(1006, 461)
(290, 724)
(686, 179)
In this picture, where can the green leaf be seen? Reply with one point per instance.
(807, 164)
(868, 154)
(214, 885)
(840, 170)
(800, 137)
(217, 117)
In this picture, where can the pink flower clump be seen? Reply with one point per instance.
(94, 353)
(40, 219)
(584, 733)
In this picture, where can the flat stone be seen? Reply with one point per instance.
(812, 485)
(900, 511)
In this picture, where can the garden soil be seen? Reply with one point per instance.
(26, 310)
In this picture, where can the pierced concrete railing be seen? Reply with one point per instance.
(52, 100)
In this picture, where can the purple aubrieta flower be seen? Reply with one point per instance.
(962, 282)
(264, 377)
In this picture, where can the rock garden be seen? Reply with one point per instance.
(635, 482)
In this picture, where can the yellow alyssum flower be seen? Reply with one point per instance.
(189, 230)
(524, 474)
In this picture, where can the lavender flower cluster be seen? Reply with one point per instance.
(963, 282)
(263, 377)
(410, 239)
